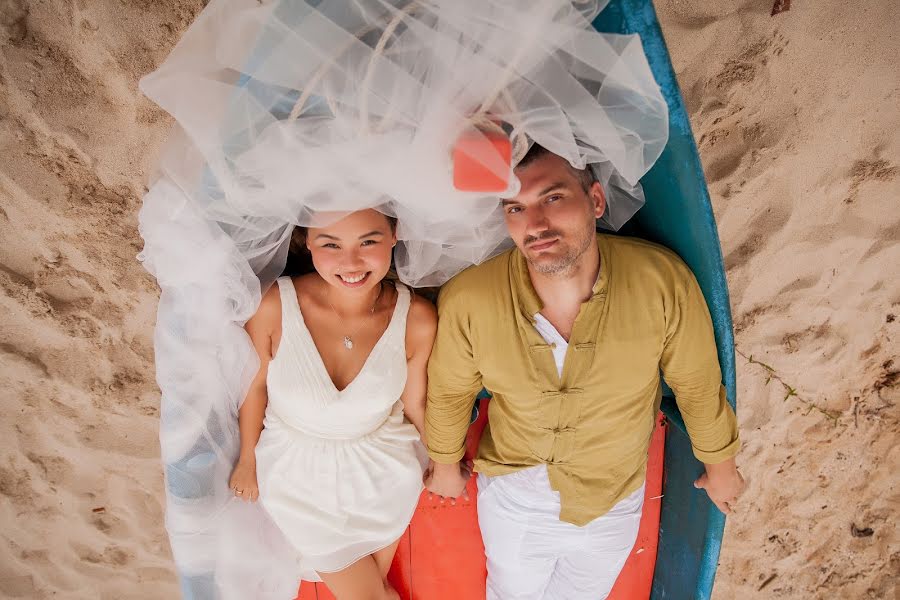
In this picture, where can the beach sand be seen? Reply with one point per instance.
(797, 123)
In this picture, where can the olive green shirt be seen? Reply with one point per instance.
(591, 426)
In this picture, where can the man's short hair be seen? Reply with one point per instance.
(585, 176)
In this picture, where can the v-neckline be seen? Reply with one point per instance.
(321, 362)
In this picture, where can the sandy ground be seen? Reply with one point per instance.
(797, 121)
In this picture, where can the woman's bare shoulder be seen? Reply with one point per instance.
(268, 315)
(421, 321)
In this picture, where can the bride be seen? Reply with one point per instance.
(343, 356)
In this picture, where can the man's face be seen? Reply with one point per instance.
(553, 218)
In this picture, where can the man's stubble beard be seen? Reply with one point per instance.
(566, 263)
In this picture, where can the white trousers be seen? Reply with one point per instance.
(532, 555)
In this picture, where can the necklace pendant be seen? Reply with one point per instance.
(348, 343)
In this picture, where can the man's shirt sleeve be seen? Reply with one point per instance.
(690, 366)
(453, 380)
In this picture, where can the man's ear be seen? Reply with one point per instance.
(598, 199)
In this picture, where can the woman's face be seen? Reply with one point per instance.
(355, 252)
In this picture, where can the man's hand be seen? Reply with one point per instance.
(723, 483)
(448, 481)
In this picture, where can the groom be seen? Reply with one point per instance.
(569, 331)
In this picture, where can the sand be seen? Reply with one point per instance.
(797, 122)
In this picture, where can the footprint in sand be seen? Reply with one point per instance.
(870, 170)
(806, 338)
(112, 555)
(747, 66)
(732, 136)
(13, 20)
(757, 232)
(56, 470)
(16, 485)
(31, 366)
(800, 284)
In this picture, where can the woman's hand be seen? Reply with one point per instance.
(243, 481)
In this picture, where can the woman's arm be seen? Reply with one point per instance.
(420, 331)
(261, 328)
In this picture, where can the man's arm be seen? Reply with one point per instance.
(453, 382)
(690, 366)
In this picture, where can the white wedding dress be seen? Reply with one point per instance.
(339, 471)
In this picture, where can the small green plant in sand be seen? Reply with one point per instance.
(789, 390)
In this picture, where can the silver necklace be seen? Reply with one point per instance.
(348, 339)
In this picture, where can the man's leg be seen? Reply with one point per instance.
(588, 570)
(519, 562)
